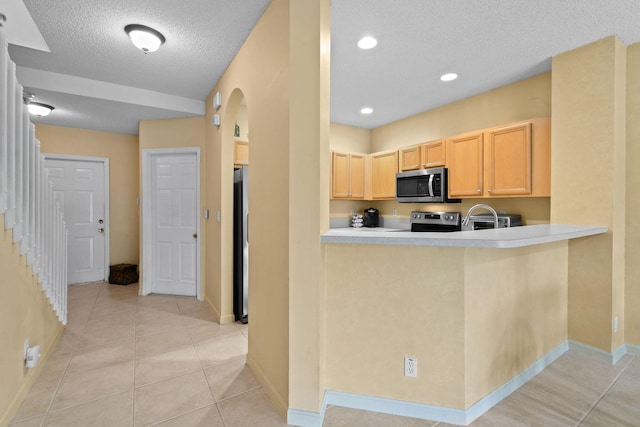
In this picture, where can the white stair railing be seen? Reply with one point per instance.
(26, 193)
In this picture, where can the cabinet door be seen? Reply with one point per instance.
(410, 158)
(434, 154)
(465, 165)
(340, 175)
(356, 176)
(384, 166)
(508, 153)
(240, 152)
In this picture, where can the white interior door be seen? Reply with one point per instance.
(174, 193)
(80, 188)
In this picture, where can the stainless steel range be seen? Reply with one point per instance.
(435, 221)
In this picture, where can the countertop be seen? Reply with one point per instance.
(501, 238)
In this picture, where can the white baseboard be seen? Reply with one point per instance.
(418, 410)
(633, 349)
(613, 357)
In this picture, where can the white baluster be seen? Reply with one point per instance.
(25, 244)
(10, 214)
(19, 166)
(4, 63)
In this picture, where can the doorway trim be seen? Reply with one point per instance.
(147, 223)
(107, 222)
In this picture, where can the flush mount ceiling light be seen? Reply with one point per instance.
(144, 38)
(367, 43)
(38, 109)
(448, 77)
(366, 110)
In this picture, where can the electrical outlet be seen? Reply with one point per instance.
(410, 367)
(352, 212)
(615, 324)
(394, 212)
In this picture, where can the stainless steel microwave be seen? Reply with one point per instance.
(423, 186)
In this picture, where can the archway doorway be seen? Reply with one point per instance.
(236, 134)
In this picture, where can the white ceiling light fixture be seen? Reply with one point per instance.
(144, 38)
(448, 77)
(366, 110)
(38, 109)
(367, 43)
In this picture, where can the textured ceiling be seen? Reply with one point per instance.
(488, 43)
(98, 80)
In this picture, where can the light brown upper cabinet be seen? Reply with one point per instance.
(384, 166)
(434, 154)
(240, 152)
(347, 175)
(513, 160)
(465, 163)
(508, 154)
(423, 156)
(518, 159)
(409, 158)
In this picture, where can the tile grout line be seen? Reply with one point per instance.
(64, 372)
(615, 380)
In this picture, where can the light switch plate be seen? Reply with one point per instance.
(215, 120)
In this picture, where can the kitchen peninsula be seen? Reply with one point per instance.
(481, 312)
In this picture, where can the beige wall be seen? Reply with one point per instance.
(282, 72)
(632, 282)
(525, 99)
(350, 139)
(588, 134)
(515, 312)
(122, 152)
(175, 133)
(478, 319)
(25, 312)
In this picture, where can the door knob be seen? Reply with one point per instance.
(100, 221)
(101, 230)
(195, 236)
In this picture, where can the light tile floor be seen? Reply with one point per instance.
(126, 360)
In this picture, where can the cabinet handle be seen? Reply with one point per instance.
(416, 166)
(490, 190)
(478, 191)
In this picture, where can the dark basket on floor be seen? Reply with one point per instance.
(123, 274)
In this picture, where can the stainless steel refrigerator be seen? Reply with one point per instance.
(241, 244)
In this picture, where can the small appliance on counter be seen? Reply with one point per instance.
(485, 220)
(371, 217)
(437, 222)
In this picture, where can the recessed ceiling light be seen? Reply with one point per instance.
(448, 77)
(367, 42)
(366, 110)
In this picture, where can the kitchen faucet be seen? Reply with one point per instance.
(465, 220)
